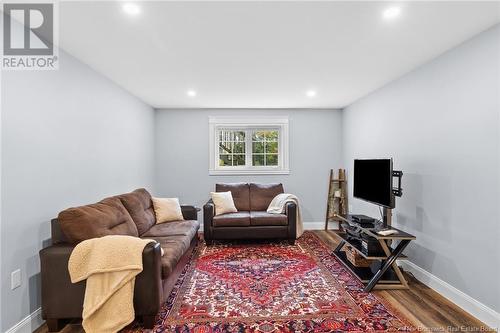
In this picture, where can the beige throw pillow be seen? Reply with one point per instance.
(167, 210)
(223, 202)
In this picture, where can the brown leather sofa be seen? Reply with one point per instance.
(251, 221)
(126, 214)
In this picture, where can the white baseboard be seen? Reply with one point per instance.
(477, 309)
(316, 225)
(29, 323)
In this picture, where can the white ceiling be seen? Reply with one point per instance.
(263, 54)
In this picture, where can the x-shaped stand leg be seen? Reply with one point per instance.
(392, 256)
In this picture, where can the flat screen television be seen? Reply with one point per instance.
(373, 181)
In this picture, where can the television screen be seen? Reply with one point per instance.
(373, 181)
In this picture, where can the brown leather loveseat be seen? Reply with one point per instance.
(127, 214)
(251, 221)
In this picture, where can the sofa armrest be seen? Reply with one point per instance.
(63, 299)
(208, 215)
(148, 291)
(291, 213)
(60, 297)
(189, 212)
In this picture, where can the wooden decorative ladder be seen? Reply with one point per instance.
(337, 198)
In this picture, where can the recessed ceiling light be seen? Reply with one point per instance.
(191, 93)
(131, 8)
(311, 93)
(391, 12)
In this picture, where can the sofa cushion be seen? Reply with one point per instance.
(174, 248)
(107, 217)
(223, 202)
(167, 210)
(140, 207)
(261, 195)
(265, 218)
(239, 219)
(240, 193)
(177, 228)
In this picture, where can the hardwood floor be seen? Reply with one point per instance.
(428, 310)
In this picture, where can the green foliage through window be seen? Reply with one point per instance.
(264, 147)
(231, 148)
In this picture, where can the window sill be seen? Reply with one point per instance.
(247, 172)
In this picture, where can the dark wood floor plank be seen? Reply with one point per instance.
(448, 309)
(408, 312)
(424, 307)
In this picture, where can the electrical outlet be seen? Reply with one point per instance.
(15, 279)
(350, 209)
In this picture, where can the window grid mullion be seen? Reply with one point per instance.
(248, 148)
(264, 145)
(217, 151)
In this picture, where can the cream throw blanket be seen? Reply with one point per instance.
(277, 206)
(110, 265)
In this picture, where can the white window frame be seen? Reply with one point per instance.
(248, 124)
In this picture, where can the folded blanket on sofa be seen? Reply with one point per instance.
(278, 204)
(110, 265)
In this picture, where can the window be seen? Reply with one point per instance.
(265, 147)
(248, 146)
(232, 147)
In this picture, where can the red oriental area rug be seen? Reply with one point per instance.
(274, 287)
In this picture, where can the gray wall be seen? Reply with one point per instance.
(182, 155)
(69, 137)
(440, 123)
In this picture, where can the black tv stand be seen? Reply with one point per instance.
(384, 273)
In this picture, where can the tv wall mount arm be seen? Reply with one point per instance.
(397, 191)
